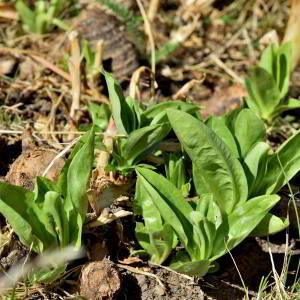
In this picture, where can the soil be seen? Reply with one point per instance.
(225, 284)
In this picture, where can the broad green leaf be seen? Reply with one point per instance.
(218, 125)
(42, 186)
(282, 166)
(142, 140)
(255, 165)
(204, 233)
(171, 205)
(46, 214)
(14, 203)
(62, 181)
(264, 95)
(182, 264)
(268, 58)
(54, 209)
(283, 68)
(77, 180)
(248, 130)
(100, 115)
(137, 112)
(209, 209)
(144, 206)
(121, 112)
(242, 222)
(270, 224)
(154, 110)
(215, 169)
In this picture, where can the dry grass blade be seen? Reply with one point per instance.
(74, 67)
(39, 59)
(292, 31)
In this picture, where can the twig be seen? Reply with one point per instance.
(149, 33)
(4, 131)
(137, 271)
(190, 278)
(39, 59)
(229, 71)
(59, 155)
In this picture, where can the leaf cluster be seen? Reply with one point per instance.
(44, 15)
(268, 83)
(53, 214)
(236, 176)
(142, 128)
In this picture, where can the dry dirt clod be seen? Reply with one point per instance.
(32, 163)
(93, 25)
(100, 281)
(7, 64)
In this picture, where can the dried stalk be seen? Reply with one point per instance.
(74, 68)
(292, 32)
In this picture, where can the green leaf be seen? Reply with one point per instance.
(89, 56)
(289, 105)
(209, 209)
(157, 244)
(137, 112)
(215, 169)
(42, 186)
(14, 203)
(121, 111)
(282, 166)
(26, 14)
(171, 205)
(270, 224)
(248, 130)
(100, 115)
(242, 222)
(54, 209)
(264, 95)
(283, 68)
(160, 109)
(182, 264)
(255, 165)
(140, 142)
(268, 58)
(78, 177)
(218, 125)
(144, 206)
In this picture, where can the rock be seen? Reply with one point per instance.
(96, 24)
(7, 64)
(100, 281)
(33, 163)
